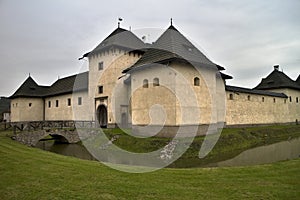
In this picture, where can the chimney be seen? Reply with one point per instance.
(276, 67)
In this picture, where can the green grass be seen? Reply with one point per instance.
(30, 173)
(232, 142)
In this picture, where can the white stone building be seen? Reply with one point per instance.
(162, 86)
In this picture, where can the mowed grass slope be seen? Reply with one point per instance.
(29, 173)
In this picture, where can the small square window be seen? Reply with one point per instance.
(100, 66)
(69, 101)
(100, 89)
(56, 103)
(79, 101)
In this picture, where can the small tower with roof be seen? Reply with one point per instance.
(116, 52)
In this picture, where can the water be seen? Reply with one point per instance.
(285, 150)
(74, 150)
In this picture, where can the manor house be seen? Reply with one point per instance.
(169, 82)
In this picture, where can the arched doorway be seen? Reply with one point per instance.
(102, 116)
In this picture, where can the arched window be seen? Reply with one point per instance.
(155, 82)
(145, 83)
(196, 81)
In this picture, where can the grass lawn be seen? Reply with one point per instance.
(30, 173)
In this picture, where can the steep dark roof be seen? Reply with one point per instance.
(298, 80)
(4, 105)
(173, 45)
(75, 83)
(225, 76)
(30, 89)
(120, 38)
(277, 79)
(253, 91)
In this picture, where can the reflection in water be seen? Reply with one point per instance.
(260, 155)
(285, 150)
(74, 150)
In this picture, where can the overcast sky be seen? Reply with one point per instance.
(46, 38)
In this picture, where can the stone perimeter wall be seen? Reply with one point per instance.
(250, 109)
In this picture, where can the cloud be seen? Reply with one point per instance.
(247, 37)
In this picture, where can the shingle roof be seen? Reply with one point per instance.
(277, 79)
(253, 91)
(225, 76)
(298, 80)
(30, 88)
(173, 45)
(4, 105)
(120, 38)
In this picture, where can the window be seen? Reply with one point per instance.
(263, 99)
(100, 66)
(49, 104)
(290, 99)
(284, 100)
(155, 82)
(69, 101)
(145, 83)
(196, 81)
(297, 100)
(100, 89)
(79, 101)
(274, 100)
(248, 97)
(30, 104)
(230, 96)
(56, 103)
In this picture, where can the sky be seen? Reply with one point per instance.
(46, 38)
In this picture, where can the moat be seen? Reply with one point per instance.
(280, 151)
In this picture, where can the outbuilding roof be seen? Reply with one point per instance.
(277, 79)
(298, 80)
(4, 105)
(253, 91)
(70, 84)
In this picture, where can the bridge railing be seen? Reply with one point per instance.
(48, 125)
